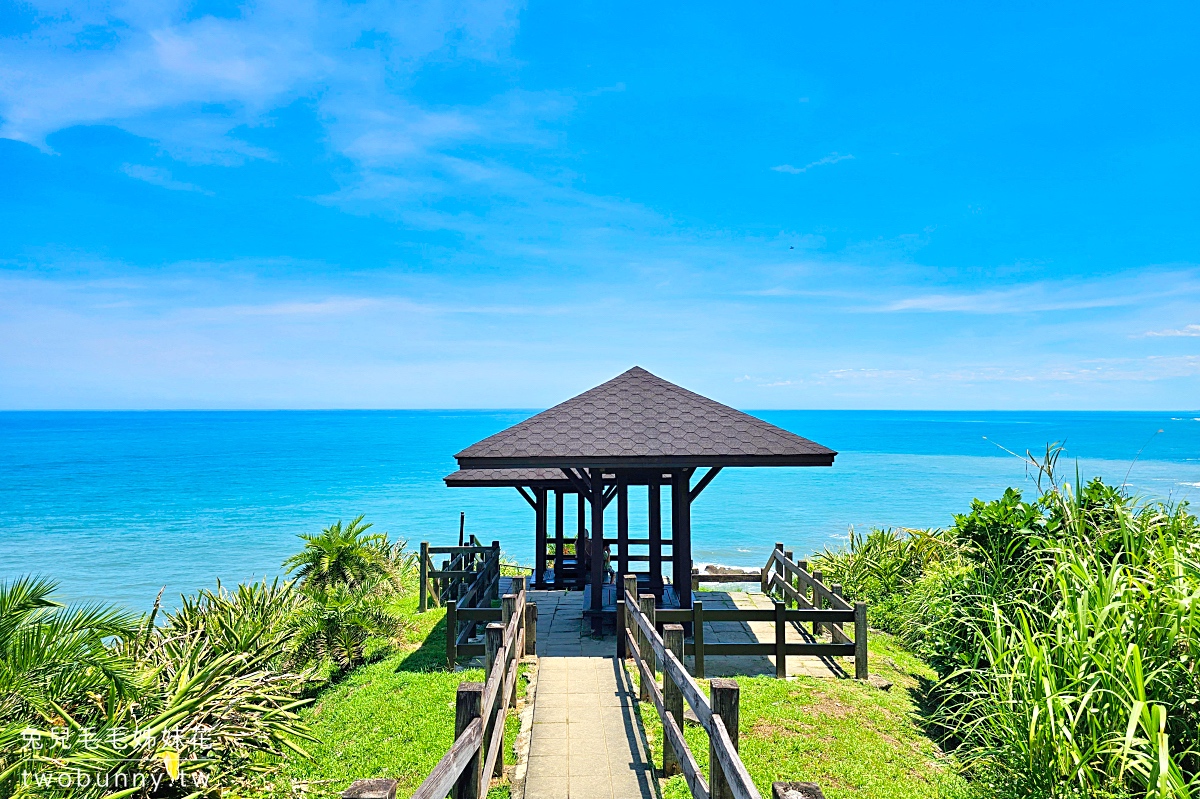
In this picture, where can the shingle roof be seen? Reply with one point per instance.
(636, 420)
(541, 478)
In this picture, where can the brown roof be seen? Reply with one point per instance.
(541, 478)
(639, 420)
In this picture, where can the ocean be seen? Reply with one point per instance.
(118, 505)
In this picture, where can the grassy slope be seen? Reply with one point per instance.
(849, 738)
(390, 718)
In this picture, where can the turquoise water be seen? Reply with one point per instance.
(117, 505)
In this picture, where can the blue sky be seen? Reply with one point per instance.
(492, 204)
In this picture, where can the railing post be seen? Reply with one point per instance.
(423, 602)
(508, 607)
(495, 560)
(724, 695)
(646, 607)
(818, 602)
(493, 642)
(695, 579)
(468, 706)
(672, 696)
(780, 640)
(778, 562)
(697, 639)
(622, 626)
(860, 641)
(836, 590)
(451, 633)
(531, 614)
(787, 578)
(801, 584)
(630, 588)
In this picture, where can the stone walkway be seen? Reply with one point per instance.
(759, 632)
(587, 741)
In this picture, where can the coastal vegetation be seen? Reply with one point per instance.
(96, 701)
(1064, 631)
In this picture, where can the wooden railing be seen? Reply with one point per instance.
(638, 637)
(465, 771)
(470, 575)
(800, 598)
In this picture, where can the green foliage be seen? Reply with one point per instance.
(95, 701)
(343, 555)
(1066, 635)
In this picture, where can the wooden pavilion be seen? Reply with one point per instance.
(635, 430)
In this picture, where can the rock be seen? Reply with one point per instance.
(879, 682)
(796, 790)
(371, 789)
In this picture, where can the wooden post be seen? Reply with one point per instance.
(787, 578)
(672, 696)
(531, 613)
(836, 589)
(462, 526)
(860, 641)
(646, 606)
(620, 628)
(495, 587)
(468, 706)
(698, 639)
(559, 540)
(778, 565)
(493, 642)
(423, 592)
(597, 549)
(780, 640)
(818, 602)
(695, 579)
(451, 633)
(724, 694)
(541, 515)
(681, 536)
(622, 523)
(629, 587)
(581, 544)
(654, 510)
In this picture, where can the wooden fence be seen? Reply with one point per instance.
(465, 771)
(470, 575)
(800, 598)
(638, 637)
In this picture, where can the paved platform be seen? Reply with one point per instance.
(760, 632)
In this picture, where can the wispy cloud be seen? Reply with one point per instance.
(832, 158)
(158, 176)
(1187, 330)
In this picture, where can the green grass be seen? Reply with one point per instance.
(848, 737)
(393, 717)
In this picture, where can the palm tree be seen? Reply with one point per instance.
(342, 556)
(54, 655)
(336, 622)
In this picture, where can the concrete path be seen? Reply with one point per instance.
(587, 741)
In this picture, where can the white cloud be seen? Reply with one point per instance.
(158, 176)
(832, 158)
(1186, 330)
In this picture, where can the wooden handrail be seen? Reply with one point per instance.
(441, 780)
(738, 778)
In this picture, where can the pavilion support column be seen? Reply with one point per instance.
(681, 536)
(597, 549)
(622, 524)
(540, 512)
(558, 538)
(654, 501)
(581, 543)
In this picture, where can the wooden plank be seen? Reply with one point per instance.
(734, 650)
(443, 776)
(688, 766)
(458, 550)
(741, 577)
(741, 786)
(698, 639)
(492, 765)
(469, 650)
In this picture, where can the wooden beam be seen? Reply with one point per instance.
(597, 546)
(532, 503)
(654, 509)
(609, 493)
(541, 512)
(703, 484)
(559, 540)
(578, 480)
(622, 525)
